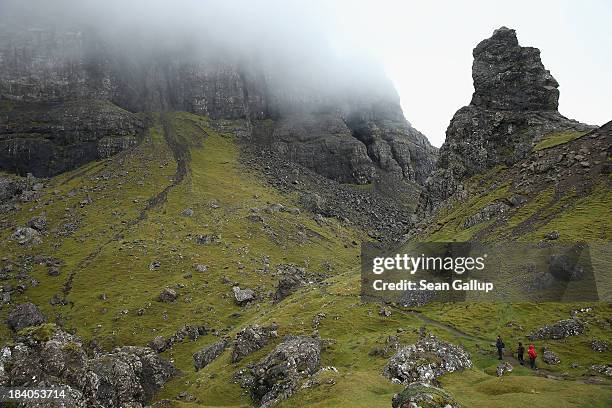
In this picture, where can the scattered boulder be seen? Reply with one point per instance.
(559, 330)
(207, 239)
(243, 295)
(317, 319)
(158, 344)
(274, 208)
(191, 332)
(187, 212)
(26, 235)
(580, 312)
(426, 360)
(550, 357)
(167, 295)
(201, 268)
(205, 356)
(251, 339)
(384, 311)
(39, 223)
(154, 265)
(292, 277)
(424, 395)
(503, 368)
(552, 235)
(25, 315)
(53, 271)
(600, 346)
(278, 375)
(604, 369)
(489, 211)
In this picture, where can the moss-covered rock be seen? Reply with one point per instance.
(422, 395)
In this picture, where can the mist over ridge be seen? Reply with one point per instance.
(289, 42)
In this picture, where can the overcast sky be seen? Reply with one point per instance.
(426, 48)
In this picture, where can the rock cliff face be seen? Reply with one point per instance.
(47, 138)
(355, 133)
(514, 104)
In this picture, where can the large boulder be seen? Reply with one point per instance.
(126, 375)
(426, 360)
(558, 330)
(291, 279)
(25, 315)
(278, 375)
(208, 354)
(252, 338)
(243, 296)
(550, 357)
(26, 235)
(168, 295)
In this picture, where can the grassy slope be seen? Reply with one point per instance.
(119, 268)
(555, 139)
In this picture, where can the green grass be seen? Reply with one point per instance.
(111, 251)
(448, 224)
(555, 139)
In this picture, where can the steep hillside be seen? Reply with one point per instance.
(560, 191)
(182, 211)
(178, 230)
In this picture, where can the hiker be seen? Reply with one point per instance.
(520, 351)
(500, 347)
(532, 356)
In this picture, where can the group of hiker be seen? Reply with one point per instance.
(520, 352)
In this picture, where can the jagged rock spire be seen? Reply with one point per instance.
(514, 103)
(510, 77)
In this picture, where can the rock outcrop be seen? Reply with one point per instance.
(45, 356)
(558, 330)
(278, 375)
(25, 315)
(514, 104)
(252, 338)
(291, 279)
(426, 360)
(208, 354)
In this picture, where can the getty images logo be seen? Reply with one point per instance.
(413, 264)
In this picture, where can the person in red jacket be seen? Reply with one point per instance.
(532, 356)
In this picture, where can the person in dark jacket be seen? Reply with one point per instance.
(532, 356)
(500, 347)
(520, 352)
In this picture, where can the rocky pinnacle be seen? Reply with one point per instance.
(510, 77)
